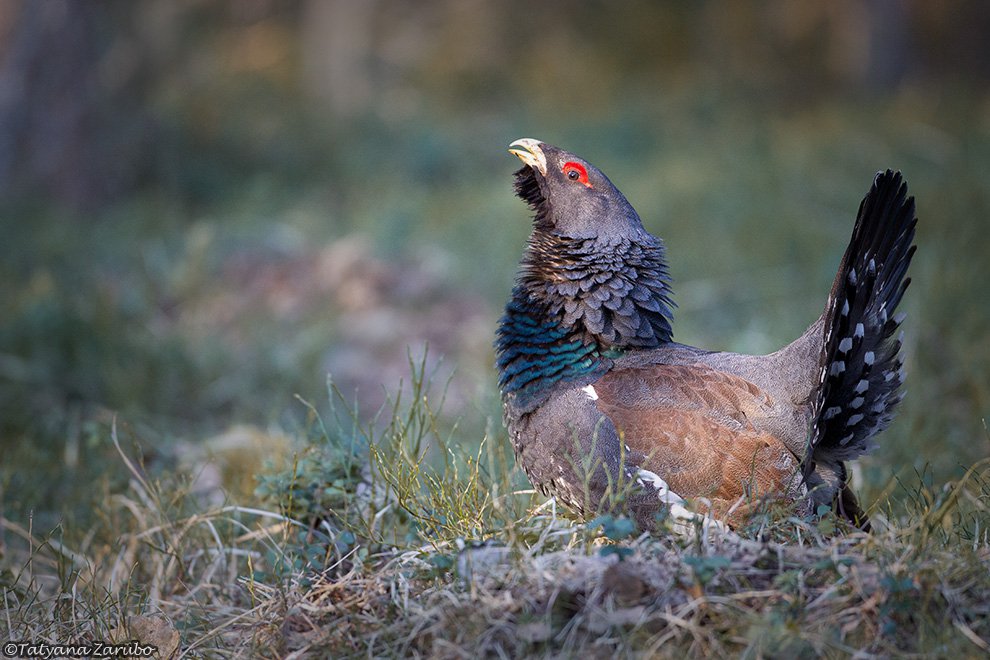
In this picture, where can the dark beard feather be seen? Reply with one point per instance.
(619, 299)
(527, 187)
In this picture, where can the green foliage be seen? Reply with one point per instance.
(397, 480)
(614, 528)
(705, 568)
(323, 479)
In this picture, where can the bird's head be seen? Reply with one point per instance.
(571, 197)
(589, 264)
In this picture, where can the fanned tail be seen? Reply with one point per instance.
(861, 372)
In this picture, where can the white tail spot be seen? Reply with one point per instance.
(590, 391)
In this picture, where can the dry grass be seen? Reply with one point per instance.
(387, 540)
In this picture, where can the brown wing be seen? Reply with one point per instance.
(691, 423)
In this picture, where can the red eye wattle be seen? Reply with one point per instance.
(576, 172)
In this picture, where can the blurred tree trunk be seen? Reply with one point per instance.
(337, 57)
(67, 128)
(890, 47)
(869, 45)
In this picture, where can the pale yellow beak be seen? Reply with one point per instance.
(528, 150)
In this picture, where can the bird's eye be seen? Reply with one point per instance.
(576, 172)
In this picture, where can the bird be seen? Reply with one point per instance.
(599, 400)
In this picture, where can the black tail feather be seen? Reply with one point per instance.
(861, 373)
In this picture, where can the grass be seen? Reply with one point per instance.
(389, 539)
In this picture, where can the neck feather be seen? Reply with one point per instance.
(577, 303)
(535, 352)
(615, 292)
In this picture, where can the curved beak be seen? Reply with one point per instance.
(529, 152)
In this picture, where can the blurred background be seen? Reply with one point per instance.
(208, 206)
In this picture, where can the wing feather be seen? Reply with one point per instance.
(691, 422)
